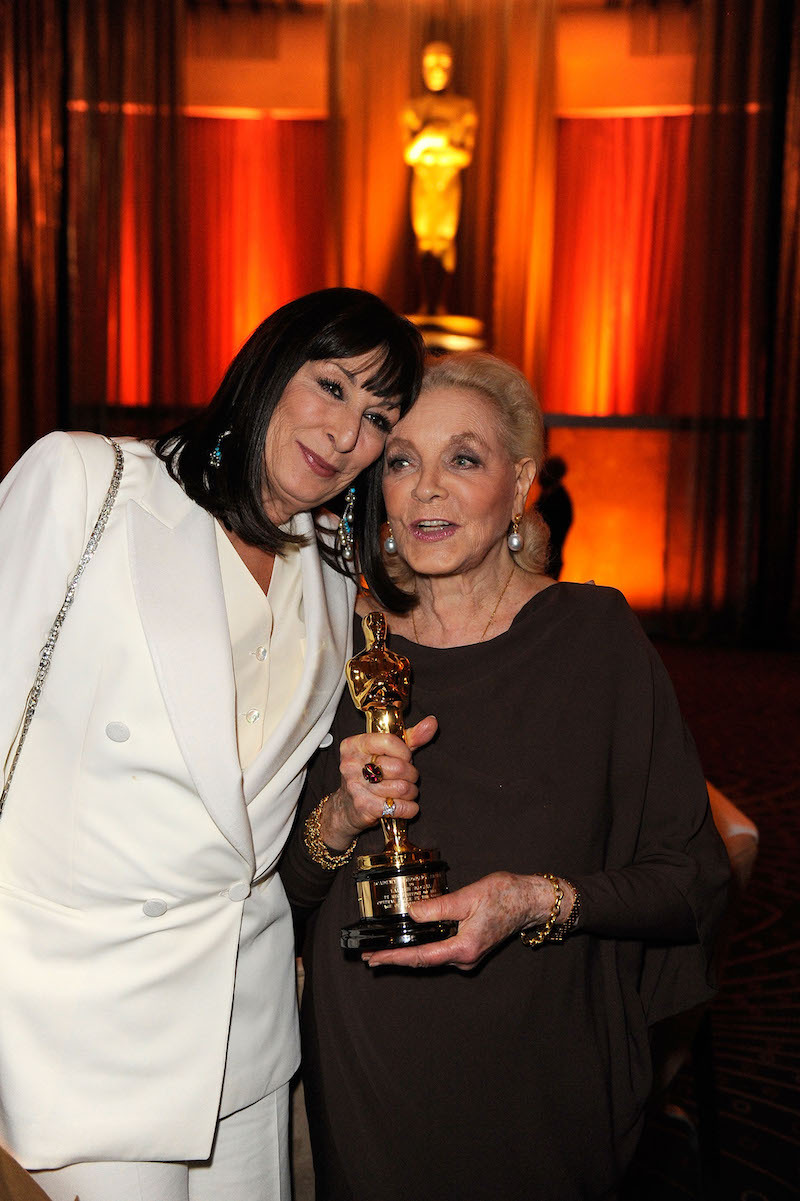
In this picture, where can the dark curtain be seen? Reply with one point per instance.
(723, 488)
(777, 615)
(32, 260)
(126, 212)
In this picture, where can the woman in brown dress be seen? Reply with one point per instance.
(587, 878)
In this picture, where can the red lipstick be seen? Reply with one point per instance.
(317, 465)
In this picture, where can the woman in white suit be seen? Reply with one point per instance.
(147, 1015)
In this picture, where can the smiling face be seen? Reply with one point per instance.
(450, 485)
(326, 429)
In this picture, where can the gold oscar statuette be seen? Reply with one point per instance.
(388, 882)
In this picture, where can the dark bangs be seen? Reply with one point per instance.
(397, 352)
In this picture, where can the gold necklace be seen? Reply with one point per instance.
(491, 615)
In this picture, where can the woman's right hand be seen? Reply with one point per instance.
(356, 805)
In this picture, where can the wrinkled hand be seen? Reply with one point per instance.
(487, 912)
(357, 805)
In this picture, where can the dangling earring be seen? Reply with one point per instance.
(515, 540)
(390, 545)
(215, 458)
(345, 531)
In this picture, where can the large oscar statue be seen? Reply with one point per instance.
(439, 132)
(388, 882)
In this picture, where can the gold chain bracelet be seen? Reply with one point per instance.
(535, 937)
(558, 932)
(316, 848)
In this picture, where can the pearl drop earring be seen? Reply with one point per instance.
(515, 540)
(390, 545)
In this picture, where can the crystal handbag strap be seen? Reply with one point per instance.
(52, 638)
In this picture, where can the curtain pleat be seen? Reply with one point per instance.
(621, 198)
(127, 208)
(372, 73)
(722, 340)
(778, 611)
(257, 229)
(186, 230)
(32, 393)
(525, 173)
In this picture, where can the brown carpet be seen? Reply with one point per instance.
(743, 708)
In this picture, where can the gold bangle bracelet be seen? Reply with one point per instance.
(316, 848)
(540, 934)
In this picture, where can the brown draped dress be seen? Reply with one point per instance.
(561, 748)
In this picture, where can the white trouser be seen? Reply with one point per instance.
(249, 1162)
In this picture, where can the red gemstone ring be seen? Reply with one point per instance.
(372, 773)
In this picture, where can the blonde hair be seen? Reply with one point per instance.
(521, 427)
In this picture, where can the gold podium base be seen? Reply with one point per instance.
(445, 332)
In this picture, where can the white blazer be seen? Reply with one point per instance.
(131, 846)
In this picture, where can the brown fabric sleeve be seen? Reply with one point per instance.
(675, 889)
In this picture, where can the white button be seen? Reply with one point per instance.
(261, 653)
(252, 715)
(327, 740)
(117, 731)
(154, 908)
(239, 892)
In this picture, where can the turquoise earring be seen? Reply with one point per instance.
(345, 531)
(215, 458)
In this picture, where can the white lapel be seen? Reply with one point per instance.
(322, 670)
(178, 586)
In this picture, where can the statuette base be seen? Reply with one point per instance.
(383, 934)
(384, 896)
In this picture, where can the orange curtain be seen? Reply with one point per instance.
(256, 231)
(374, 48)
(621, 200)
(126, 194)
(252, 218)
(185, 230)
(525, 169)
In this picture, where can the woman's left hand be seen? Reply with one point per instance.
(487, 912)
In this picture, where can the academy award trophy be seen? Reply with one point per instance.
(388, 882)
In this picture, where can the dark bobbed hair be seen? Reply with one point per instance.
(334, 323)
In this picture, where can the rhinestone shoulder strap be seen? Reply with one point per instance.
(55, 629)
